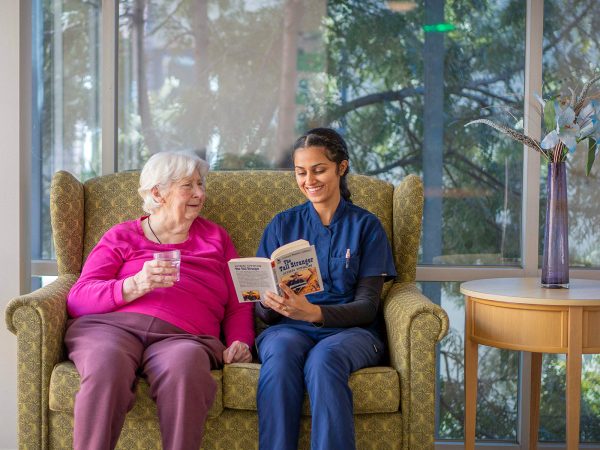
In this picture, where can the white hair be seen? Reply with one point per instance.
(162, 169)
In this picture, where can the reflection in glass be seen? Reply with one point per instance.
(497, 398)
(571, 52)
(66, 121)
(229, 80)
(237, 81)
(553, 399)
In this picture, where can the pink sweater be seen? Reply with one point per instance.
(202, 301)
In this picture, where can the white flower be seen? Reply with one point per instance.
(567, 129)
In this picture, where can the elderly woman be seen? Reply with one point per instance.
(132, 316)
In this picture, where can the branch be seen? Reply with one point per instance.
(366, 100)
(576, 20)
(413, 138)
(165, 20)
(94, 4)
(505, 76)
(481, 101)
(479, 174)
(399, 163)
(496, 96)
(530, 142)
(582, 97)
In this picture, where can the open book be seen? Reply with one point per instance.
(295, 264)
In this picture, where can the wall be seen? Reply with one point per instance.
(13, 226)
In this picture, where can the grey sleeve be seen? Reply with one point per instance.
(361, 311)
(267, 315)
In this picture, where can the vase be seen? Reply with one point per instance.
(555, 264)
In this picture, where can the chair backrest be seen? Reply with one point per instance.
(241, 201)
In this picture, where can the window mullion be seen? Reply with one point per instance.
(109, 83)
(531, 189)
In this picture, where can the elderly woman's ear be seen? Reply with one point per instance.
(156, 195)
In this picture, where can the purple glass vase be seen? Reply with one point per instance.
(555, 265)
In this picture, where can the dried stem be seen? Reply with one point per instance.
(529, 142)
(582, 97)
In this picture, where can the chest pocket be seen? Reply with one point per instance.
(344, 274)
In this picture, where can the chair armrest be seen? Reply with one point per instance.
(38, 319)
(414, 326)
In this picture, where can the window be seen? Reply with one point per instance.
(218, 78)
(497, 398)
(571, 48)
(212, 77)
(238, 81)
(66, 123)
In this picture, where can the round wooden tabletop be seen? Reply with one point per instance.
(530, 291)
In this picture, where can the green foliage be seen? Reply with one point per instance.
(230, 161)
(549, 115)
(553, 399)
(591, 156)
(497, 386)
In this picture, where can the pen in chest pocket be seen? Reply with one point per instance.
(347, 258)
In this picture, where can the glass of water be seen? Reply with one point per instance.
(173, 257)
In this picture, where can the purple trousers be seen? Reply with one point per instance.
(111, 350)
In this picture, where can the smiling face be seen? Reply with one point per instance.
(184, 199)
(318, 177)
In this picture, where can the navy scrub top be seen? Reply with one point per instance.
(351, 228)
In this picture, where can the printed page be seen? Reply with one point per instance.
(289, 248)
(252, 278)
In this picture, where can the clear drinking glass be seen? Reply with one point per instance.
(172, 256)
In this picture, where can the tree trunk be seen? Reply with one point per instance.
(150, 138)
(292, 17)
(201, 108)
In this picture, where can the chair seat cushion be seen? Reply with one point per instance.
(374, 389)
(64, 384)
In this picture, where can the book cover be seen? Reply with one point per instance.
(299, 270)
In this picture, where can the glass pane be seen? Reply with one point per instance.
(473, 176)
(498, 376)
(225, 79)
(237, 81)
(66, 121)
(553, 399)
(571, 51)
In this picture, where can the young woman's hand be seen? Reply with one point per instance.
(154, 274)
(293, 305)
(238, 351)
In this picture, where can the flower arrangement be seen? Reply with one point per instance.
(568, 119)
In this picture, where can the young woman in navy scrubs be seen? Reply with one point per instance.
(317, 341)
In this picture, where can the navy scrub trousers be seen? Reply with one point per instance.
(292, 358)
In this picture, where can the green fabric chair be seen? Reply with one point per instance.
(393, 405)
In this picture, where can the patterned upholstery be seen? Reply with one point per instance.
(374, 389)
(64, 384)
(394, 406)
(236, 430)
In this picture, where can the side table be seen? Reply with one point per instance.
(518, 314)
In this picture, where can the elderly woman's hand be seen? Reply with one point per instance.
(154, 274)
(293, 305)
(237, 352)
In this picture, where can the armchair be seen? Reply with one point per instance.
(394, 404)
